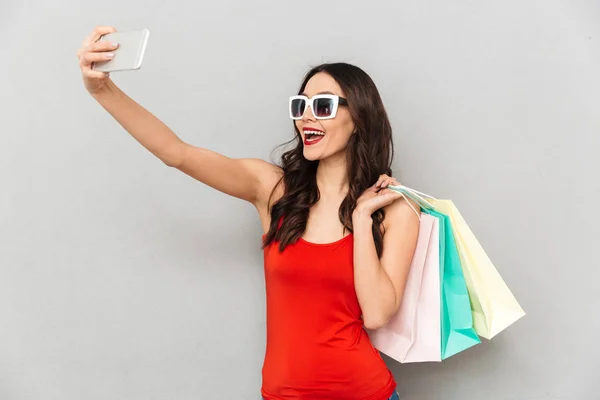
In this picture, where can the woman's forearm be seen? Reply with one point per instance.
(147, 129)
(374, 289)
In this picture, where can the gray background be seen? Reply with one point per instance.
(121, 278)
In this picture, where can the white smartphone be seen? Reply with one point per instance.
(130, 53)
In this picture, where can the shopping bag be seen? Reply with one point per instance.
(494, 307)
(457, 331)
(413, 333)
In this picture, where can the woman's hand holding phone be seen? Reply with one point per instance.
(92, 51)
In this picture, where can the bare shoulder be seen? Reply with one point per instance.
(270, 188)
(401, 214)
(243, 178)
(264, 169)
(269, 177)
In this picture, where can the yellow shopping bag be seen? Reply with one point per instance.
(493, 305)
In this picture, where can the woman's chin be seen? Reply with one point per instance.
(311, 155)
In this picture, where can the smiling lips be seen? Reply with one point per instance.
(312, 136)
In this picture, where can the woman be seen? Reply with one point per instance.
(337, 245)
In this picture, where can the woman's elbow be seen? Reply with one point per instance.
(373, 322)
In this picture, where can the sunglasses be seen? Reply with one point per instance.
(323, 106)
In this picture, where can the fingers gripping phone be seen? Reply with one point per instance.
(130, 53)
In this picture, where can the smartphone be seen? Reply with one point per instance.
(130, 53)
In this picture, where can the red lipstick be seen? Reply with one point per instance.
(312, 136)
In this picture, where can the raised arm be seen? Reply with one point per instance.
(249, 179)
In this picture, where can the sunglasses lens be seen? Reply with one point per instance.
(298, 106)
(323, 107)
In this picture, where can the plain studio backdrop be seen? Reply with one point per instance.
(121, 278)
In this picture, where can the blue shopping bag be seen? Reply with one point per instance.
(458, 333)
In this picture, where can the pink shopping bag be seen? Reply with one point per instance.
(413, 334)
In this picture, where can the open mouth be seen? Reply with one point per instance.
(312, 136)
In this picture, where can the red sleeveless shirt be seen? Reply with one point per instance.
(317, 347)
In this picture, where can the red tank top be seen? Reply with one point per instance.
(317, 348)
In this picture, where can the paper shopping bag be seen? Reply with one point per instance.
(458, 333)
(413, 333)
(493, 305)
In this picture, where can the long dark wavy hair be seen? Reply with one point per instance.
(369, 154)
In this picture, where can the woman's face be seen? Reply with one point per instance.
(335, 132)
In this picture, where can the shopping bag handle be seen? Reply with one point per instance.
(410, 205)
(415, 194)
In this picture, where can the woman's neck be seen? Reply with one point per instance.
(332, 175)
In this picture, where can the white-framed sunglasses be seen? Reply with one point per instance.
(323, 106)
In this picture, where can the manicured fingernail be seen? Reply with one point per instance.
(110, 55)
(114, 44)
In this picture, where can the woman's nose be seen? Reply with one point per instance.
(308, 114)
